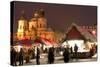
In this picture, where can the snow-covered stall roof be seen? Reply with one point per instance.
(85, 34)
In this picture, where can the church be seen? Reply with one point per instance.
(34, 27)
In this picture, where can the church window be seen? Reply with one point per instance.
(20, 27)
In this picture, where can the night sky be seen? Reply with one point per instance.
(59, 16)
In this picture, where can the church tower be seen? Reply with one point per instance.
(38, 23)
(42, 24)
(22, 26)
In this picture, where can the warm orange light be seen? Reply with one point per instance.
(94, 32)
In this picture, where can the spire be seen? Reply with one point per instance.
(22, 17)
(39, 13)
(36, 13)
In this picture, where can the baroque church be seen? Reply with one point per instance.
(35, 27)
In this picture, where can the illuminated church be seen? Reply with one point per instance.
(35, 27)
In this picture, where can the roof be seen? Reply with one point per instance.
(89, 36)
(85, 34)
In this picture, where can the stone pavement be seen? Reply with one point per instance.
(58, 60)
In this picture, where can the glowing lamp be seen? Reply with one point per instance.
(93, 32)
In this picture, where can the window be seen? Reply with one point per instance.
(20, 27)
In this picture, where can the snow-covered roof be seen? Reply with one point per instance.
(89, 36)
(85, 34)
(73, 25)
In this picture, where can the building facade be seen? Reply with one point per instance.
(35, 27)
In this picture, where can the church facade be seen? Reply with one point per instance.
(35, 27)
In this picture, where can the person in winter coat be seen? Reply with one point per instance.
(38, 56)
(21, 55)
(66, 55)
(51, 56)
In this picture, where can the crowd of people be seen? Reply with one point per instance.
(22, 56)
